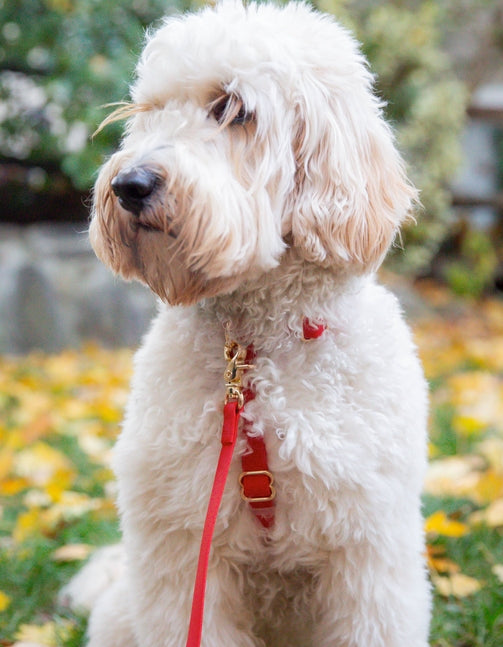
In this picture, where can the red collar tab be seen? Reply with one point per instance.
(312, 329)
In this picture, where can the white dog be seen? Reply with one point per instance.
(258, 186)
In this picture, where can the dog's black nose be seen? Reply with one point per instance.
(133, 187)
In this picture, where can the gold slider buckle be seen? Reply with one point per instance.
(258, 499)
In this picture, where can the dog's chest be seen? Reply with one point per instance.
(326, 437)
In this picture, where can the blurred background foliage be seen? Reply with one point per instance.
(62, 60)
(426, 103)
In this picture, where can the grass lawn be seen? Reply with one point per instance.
(59, 416)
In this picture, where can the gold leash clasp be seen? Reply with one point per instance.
(235, 356)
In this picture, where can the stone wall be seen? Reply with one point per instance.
(55, 294)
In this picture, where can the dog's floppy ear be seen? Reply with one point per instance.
(351, 190)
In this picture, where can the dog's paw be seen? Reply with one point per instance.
(101, 571)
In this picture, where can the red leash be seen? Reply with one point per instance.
(232, 411)
(236, 357)
(257, 482)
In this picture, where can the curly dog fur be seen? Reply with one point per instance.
(258, 183)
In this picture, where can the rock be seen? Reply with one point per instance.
(34, 311)
(54, 293)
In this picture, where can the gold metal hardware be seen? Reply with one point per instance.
(258, 499)
(235, 356)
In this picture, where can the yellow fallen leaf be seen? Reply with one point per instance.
(6, 462)
(439, 524)
(49, 634)
(477, 518)
(41, 464)
(442, 564)
(71, 505)
(63, 368)
(43, 516)
(441, 345)
(43, 634)
(72, 553)
(492, 450)
(454, 476)
(34, 403)
(95, 447)
(433, 451)
(73, 409)
(29, 523)
(489, 486)
(468, 425)
(107, 412)
(478, 396)
(12, 486)
(457, 585)
(497, 569)
(4, 601)
(488, 353)
(60, 482)
(40, 426)
(36, 499)
(492, 516)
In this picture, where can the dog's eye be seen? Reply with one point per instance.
(229, 110)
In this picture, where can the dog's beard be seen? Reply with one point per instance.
(158, 247)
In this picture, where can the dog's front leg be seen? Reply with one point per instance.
(368, 598)
(110, 621)
(162, 597)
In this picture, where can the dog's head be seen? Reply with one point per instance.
(251, 130)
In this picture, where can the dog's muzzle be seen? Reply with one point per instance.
(133, 187)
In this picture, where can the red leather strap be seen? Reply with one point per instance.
(229, 435)
(256, 480)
